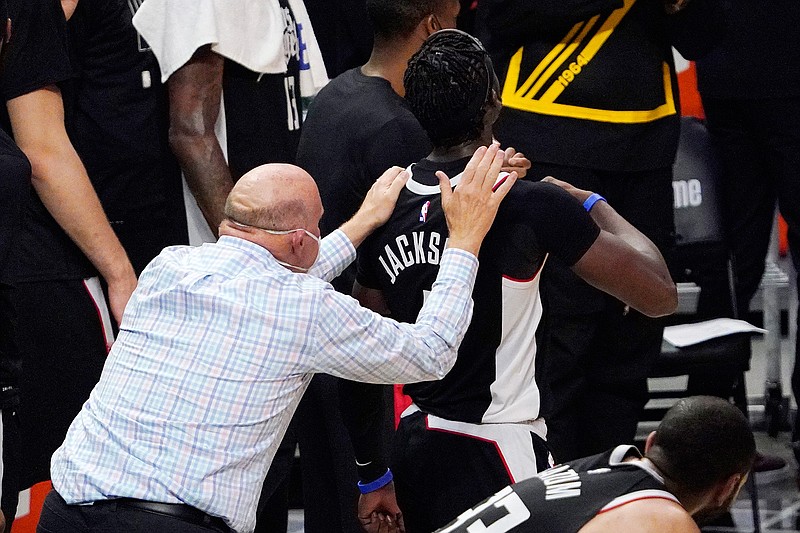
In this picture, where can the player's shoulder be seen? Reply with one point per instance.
(646, 515)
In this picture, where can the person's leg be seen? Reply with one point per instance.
(63, 343)
(747, 192)
(440, 470)
(273, 505)
(330, 493)
(626, 341)
(778, 127)
(571, 340)
(9, 402)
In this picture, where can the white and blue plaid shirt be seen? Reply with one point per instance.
(217, 345)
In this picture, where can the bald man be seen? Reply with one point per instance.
(219, 342)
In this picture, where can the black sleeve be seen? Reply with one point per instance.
(364, 412)
(561, 224)
(37, 54)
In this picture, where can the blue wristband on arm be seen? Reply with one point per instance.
(379, 483)
(588, 204)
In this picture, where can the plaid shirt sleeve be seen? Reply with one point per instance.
(356, 343)
(335, 253)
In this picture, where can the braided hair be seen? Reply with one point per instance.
(448, 85)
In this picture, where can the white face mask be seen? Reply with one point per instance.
(286, 232)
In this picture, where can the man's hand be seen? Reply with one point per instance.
(378, 511)
(381, 198)
(514, 161)
(377, 206)
(470, 208)
(579, 194)
(119, 292)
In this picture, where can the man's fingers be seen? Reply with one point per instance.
(444, 185)
(493, 170)
(474, 162)
(399, 181)
(390, 175)
(502, 188)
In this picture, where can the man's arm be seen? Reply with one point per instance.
(60, 180)
(623, 262)
(194, 98)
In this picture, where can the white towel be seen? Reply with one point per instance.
(249, 32)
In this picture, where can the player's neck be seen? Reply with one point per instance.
(454, 153)
(389, 61)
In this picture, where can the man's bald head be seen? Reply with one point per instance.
(274, 196)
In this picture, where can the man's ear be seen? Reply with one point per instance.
(431, 24)
(728, 489)
(648, 443)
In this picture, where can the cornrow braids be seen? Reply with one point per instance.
(448, 84)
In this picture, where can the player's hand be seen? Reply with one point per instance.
(471, 207)
(378, 511)
(580, 194)
(382, 197)
(514, 161)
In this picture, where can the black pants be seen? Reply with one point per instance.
(440, 473)
(63, 347)
(597, 354)
(758, 142)
(109, 517)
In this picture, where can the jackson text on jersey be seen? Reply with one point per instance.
(414, 248)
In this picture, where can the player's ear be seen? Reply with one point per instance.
(648, 443)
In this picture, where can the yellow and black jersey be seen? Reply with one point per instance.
(599, 93)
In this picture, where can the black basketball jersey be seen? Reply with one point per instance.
(493, 379)
(564, 498)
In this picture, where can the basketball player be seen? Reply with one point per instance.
(693, 467)
(472, 433)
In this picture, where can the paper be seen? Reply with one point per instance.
(687, 334)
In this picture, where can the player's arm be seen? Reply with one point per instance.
(194, 99)
(643, 516)
(61, 181)
(623, 262)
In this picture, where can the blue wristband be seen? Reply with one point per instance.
(588, 204)
(372, 486)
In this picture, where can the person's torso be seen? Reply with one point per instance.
(38, 58)
(598, 94)
(494, 378)
(263, 112)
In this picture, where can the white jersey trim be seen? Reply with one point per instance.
(513, 441)
(427, 190)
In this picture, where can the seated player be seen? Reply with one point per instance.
(693, 467)
(479, 429)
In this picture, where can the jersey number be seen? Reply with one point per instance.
(507, 500)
